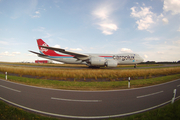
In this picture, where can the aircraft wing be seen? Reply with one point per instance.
(76, 55)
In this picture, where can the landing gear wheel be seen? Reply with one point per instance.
(135, 66)
(94, 67)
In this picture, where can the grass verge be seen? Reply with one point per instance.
(8, 112)
(73, 85)
(168, 112)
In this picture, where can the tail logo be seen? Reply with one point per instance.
(44, 49)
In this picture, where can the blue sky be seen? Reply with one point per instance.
(149, 28)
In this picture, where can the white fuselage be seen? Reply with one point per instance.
(126, 58)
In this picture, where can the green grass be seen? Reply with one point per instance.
(74, 85)
(168, 112)
(8, 112)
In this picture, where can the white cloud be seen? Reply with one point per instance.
(101, 13)
(145, 56)
(23, 8)
(143, 16)
(76, 49)
(66, 48)
(37, 15)
(37, 12)
(6, 53)
(106, 32)
(63, 39)
(31, 54)
(165, 20)
(126, 50)
(108, 28)
(39, 29)
(16, 53)
(57, 46)
(160, 52)
(140, 14)
(44, 31)
(47, 35)
(178, 29)
(172, 5)
(144, 23)
(151, 39)
(104, 19)
(160, 16)
(4, 43)
(177, 42)
(10, 41)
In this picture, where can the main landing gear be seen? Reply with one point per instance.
(94, 67)
(135, 65)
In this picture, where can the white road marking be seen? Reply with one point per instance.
(86, 117)
(76, 100)
(149, 94)
(178, 85)
(10, 88)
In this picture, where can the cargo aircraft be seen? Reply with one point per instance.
(91, 60)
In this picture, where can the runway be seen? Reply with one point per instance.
(85, 67)
(88, 104)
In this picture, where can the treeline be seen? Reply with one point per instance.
(154, 62)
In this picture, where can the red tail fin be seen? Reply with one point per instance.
(45, 51)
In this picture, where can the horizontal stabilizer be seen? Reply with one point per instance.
(39, 54)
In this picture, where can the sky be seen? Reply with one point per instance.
(150, 28)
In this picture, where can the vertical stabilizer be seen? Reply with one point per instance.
(45, 51)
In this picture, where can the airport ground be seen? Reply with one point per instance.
(168, 112)
(49, 75)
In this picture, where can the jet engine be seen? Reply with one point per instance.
(97, 61)
(111, 63)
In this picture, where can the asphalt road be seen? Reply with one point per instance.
(88, 104)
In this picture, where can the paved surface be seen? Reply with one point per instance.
(88, 104)
(85, 67)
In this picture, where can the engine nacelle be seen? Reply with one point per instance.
(97, 61)
(111, 63)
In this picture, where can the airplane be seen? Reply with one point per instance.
(91, 60)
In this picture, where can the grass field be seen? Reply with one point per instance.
(72, 65)
(76, 74)
(88, 79)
